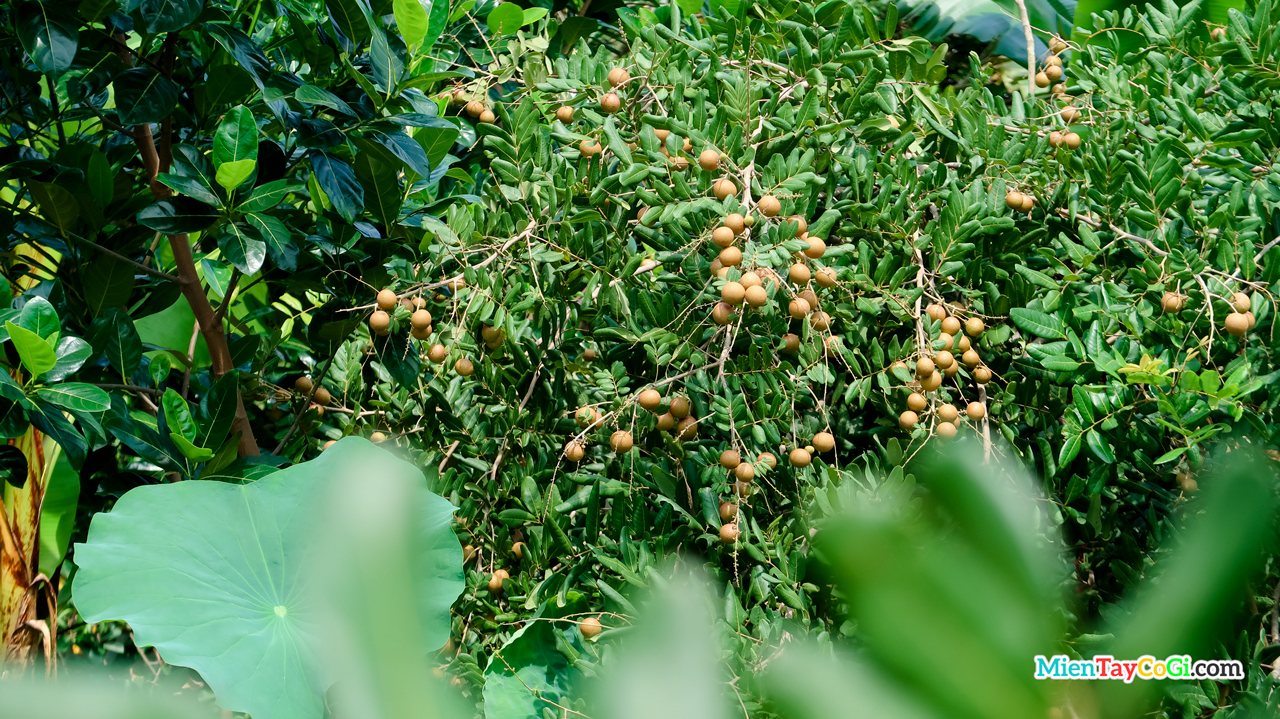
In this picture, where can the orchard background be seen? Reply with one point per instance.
(630, 283)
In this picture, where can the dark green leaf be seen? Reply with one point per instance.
(169, 15)
(76, 396)
(236, 138)
(381, 188)
(242, 247)
(280, 245)
(177, 215)
(339, 183)
(144, 96)
(49, 34)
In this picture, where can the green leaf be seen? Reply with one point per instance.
(76, 396)
(1037, 323)
(72, 353)
(280, 244)
(312, 95)
(268, 195)
(39, 316)
(49, 34)
(530, 672)
(1070, 448)
(57, 204)
(436, 142)
(193, 187)
(242, 247)
(231, 174)
(1099, 446)
(163, 16)
(143, 96)
(348, 17)
(37, 356)
(1171, 455)
(209, 573)
(532, 15)
(690, 7)
(236, 138)
(189, 450)
(381, 188)
(412, 21)
(116, 337)
(57, 511)
(339, 184)
(177, 215)
(177, 415)
(505, 19)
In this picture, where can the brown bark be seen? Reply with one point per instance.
(23, 589)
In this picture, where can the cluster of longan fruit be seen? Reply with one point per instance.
(1239, 321)
(930, 370)
(1051, 68)
(475, 108)
(675, 418)
(420, 326)
(742, 473)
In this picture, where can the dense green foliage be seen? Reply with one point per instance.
(212, 197)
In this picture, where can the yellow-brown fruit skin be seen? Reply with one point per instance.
(799, 274)
(735, 223)
(817, 248)
(974, 326)
(924, 367)
(728, 510)
(946, 430)
(729, 533)
(800, 457)
(916, 402)
(590, 628)
(744, 472)
(825, 277)
(1073, 140)
(1241, 302)
(944, 359)
(574, 451)
(970, 359)
(1069, 114)
(564, 114)
(1013, 200)
(722, 313)
(907, 420)
(387, 300)
(769, 206)
(723, 237)
(798, 308)
(687, 429)
(982, 375)
(709, 160)
(666, 422)
(768, 459)
(437, 353)
(733, 293)
(1042, 80)
(322, 397)
(976, 411)
(724, 188)
(650, 399)
(948, 412)
(420, 319)
(610, 104)
(756, 296)
(824, 442)
(951, 326)
(680, 407)
(487, 117)
(464, 367)
(730, 459)
(620, 442)
(303, 385)
(932, 382)
(1171, 302)
(730, 257)
(1237, 324)
(618, 76)
(496, 580)
(790, 343)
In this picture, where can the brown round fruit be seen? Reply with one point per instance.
(936, 311)
(799, 274)
(1069, 114)
(666, 422)
(1252, 320)
(621, 442)
(734, 223)
(564, 114)
(756, 296)
(976, 411)
(680, 407)
(974, 326)
(420, 319)
(825, 277)
(322, 397)
(817, 248)
(824, 442)
(377, 437)
(387, 300)
(709, 160)
(1042, 80)
(730, 257)
(982, 375)
(1237, 324)
(723, 237)
(730, 459)
(932, 382)
(724, 188)
(767, 458)
(750, 279)
(907, 420)
(1171, 302)
(800, 457)
(924, 367)
(327, 445)
(302, 385)
(916, 402)
(491, 334)
(803, 226)
(733, 293)
(722, 313)
(590, 628)
(1240, 301)
(589, 148)
(1028, 204)
(687, 429)
(963, 344)
(798, 308)
(744, 472)
(729, 533)
(946, 430)
(1055, 139)
(1053, 72)
(728, 510)
(951, 326)
(1073, 140)
(474, 108)
(790, 343)
(820, 321)
(464, 367)
(650, 399)
(617, 76)
(944, 359)
(518, 550)
(812, 298)
(574, 451)
(1013, 200)
(948, 412)
(487, 117)
(610, 104)
(947, 341)
(1057, 44)
(496, 580)
(769, 206)
(589, 354)
(437, 353)
(970, 359)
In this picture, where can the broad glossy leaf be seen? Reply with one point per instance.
(1099, 446)
(49, 34)
(37, 356)
(268, 195)
(505, 19)
(72, 353)
(245, 51)
(177, 415)
(57, 204)
(39, 316)
(529, 672)
(381, 187)
(242, 247)
(76, 395)
(280, 244)
(349, 18)
(115, 336)
(236, 138)
(338, 181)
(209, 574)
(169, 15)
(1037, 323)
(412, 21)
(312, 95)
(191, 187)
(189, 450)
(232, 174)
(143, 96)
(177, 216)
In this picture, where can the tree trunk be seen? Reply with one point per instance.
(22, 586)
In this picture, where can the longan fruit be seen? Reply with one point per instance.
(574, 451)
(936, 311)
(970, 359)
(756, 296)
(1013, 200)
(489, 333)
(724, 188)
(377, 438)
(322, 397)
(1237, 324)
(1069, 114)
(982, 375)
(946, 430)
(951, 371)
(730, 257)
(722, 313)
(833, 345)
(817, 248)
(589, 148)
(963, 344)
(1042, 80)
(387, 300)
(734, 223)
(586, 416)
(799, 308)
(825, 277)
(924, 367)
(518, 550)
(750, 279)
(1055, 139)
(947, 341)
(420, 319)
(803, 226)
(716, 266)
(474, 108)
(1252, 320)
(487, 117)
(729, 533)
(617, 76)
(590, 628)
(1028, 204)
(974, 326)
(730, 459)
(1240, 301)
(1073, 140)
(610, 104)
(1054, 72)
(733, 293)
(687, 429)
(944, 359)
(589, 354)
(302, 385)
(769, 206)
(976, 411)
(723, 236)
(728, 510)
(709, 160)
(564, 114)
(380, 322)
(932, 382)
(468, 553)
(744, 472)
(649, 399)
(790, 343)
(723, 273)
(907, 420)
(1057, 44)
(800, 457)
(799, 274)
(327, 445)
(620, 442)
(812, 298)
(1171, 302)
(681, 163)
(437, 353)
(662, 135)
(680, 407)
(666, 422)
(496, 580)
(916, 402)
(1218, 34)
(820, 321)
(767, 458)
(824, 442)
(951, 326)
(464, 367)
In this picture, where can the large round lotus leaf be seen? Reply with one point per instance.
(209, 574)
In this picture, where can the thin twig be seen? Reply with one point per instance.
(297, 419)
(1031, 49)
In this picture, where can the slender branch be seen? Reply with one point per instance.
(297, 418)
(112, 253)
(129, 388)
(1031, 49)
